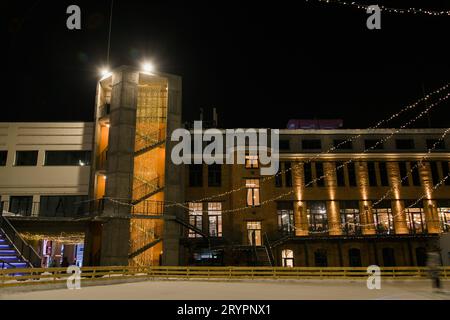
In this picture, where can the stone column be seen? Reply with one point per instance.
(116, 230)
(398, 211)
(366, 216)
(432, 216)
(301, 218)
(334, 221)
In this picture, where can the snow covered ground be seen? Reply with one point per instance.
(240, 290)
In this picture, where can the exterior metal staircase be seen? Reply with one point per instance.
(147, 188)
(15, 252)
(147, 142)
(144, 248)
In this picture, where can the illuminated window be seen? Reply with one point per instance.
(254, 233)
(317, 215)
(253, 199)
(444, 214)
(382, 216)
(251, 162)
(415, 219)
(195, 218)
(287, 258)
(285, 213)
(215, 219)
(350, 220)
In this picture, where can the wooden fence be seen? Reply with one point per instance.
(36, 276)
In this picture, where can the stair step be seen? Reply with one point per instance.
(7, 251)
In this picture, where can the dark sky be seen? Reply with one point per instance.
(259, 63)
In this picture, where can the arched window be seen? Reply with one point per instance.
(421, 256)
(320, 258)
(287, 258)
(354, 257)
(389, 257)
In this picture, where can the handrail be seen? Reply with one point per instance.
(37, 276)
(269, 249)
(22, 247)
(3, 262)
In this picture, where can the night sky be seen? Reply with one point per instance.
(260, 64)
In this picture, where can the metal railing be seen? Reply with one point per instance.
(33, 209)
(36, 276)
(114, 206)
(22, 247)
(102, 158)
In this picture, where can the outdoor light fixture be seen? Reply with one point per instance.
(104, 72)
(148, 67)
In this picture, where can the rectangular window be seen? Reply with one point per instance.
(349, 211)
(403, 173)
(340, 174)
(435, 144)
(285, 213)
(214, 175)
(253, 196)
(373, 144)
(195, 218)
(3, 157)
(251, 162)
(434, 172)
(383, 218)
(341, 144)
(351, 174)
(195, 175)
(444, 214)
(284, 145)
(67, 158)
(372, 174)
(308, 174)
(288, 174)
(314, 144)
(63, 206)
(445, 172)
(384, 177)
(254, 233)
(21, 205)
(215, 219)
(279, 178)
(404, 144)
(26, 158)
(415, 218)
(415, 173)
(317, 216)
(320, 175)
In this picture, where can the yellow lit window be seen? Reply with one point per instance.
(253, 199)
(251, 162)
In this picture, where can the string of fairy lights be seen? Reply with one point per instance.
(410, 11)
(393, 116)
(330, 172)
(352, 138)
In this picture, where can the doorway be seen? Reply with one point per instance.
(254, 233)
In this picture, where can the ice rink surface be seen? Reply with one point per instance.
(241, 290)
